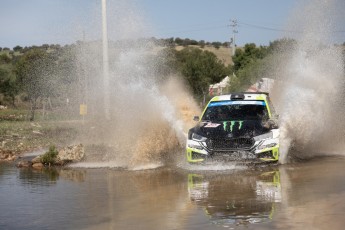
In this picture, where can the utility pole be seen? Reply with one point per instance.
(105, 61)
(234, 32)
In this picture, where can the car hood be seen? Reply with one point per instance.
(230, 129)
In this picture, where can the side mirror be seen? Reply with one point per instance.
(196, 118)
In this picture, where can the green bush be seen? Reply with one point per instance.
(5, 59)
(50, 156)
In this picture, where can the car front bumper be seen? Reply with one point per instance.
(261, 151)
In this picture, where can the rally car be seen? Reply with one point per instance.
(237, 127)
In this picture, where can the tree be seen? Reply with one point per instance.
(178, 41)
(45, 46)
(216, 44)
(169, 42)
(55, 46)
(246, 66)
(186, 42)
(226, 44)
(17, 48)
(282, 45)
(8, 83)
(194, 42)
(35, 71)
(248, 55)
(200, 69)
(202, 43)
(10, 89)
(4, 74)
(252, 63)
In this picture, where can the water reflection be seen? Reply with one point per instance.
(282, 197)
(236, 199)
(43, 177)
(75, 175)
(49, 176)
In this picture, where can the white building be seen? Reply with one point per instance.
(217, 89)
(263, 85)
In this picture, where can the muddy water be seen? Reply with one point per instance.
(305, 195)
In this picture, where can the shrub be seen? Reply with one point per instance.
(5, 59)
(50, 156)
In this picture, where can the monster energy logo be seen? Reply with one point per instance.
(229, 125)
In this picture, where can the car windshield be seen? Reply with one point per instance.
(236, 110)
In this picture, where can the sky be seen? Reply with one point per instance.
(37, 22)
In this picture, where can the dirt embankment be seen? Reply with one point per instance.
(18, 137)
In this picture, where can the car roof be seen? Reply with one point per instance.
(241, 96)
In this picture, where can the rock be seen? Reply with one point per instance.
(37, 132)
(74, 153)
(12, 158)
(37, 165)
(24, 164)
(3, 156)
(7, 155)
(35, 124)
(36, 160)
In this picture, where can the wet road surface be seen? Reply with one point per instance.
(305, 195)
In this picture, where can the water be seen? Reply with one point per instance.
(311, 82)
(296, 196)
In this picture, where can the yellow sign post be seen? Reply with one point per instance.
(83, 110)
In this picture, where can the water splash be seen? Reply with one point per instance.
(147, 122)
(311, 79)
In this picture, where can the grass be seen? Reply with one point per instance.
(223, 53)
(24, 114)
(23, 136)
(13, 115)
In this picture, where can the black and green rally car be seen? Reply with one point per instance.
(235, 127)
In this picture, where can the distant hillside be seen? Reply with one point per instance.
(223, 53)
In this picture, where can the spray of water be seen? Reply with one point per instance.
(310, 85)
(148, 113)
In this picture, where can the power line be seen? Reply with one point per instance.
(280, 30)
(268, 28)
(234, 24)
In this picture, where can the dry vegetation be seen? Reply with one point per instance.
(223, 53)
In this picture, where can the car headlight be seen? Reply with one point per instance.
(264, 136)
(197, 137)
(195, 146)
(263, 146)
